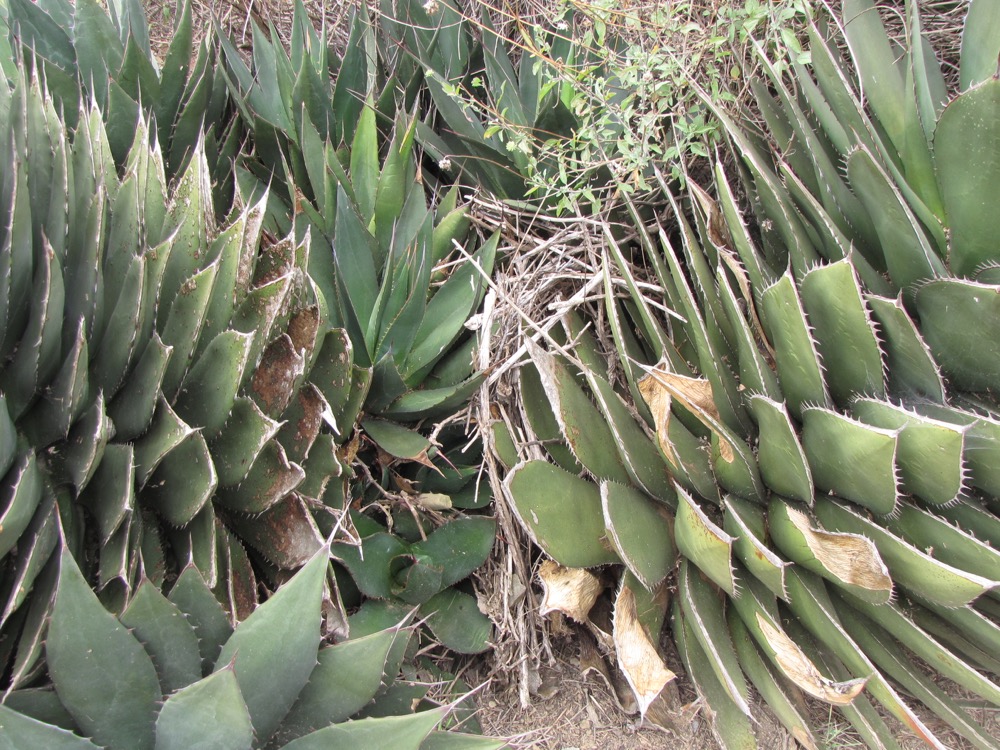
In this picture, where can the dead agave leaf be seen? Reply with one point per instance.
(800, 669)
(660, 385)
(593, 662)
(853, 558)
(714, 220)
(571, 591)
(638, 658)
(433, 501)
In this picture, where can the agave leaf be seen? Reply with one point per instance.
(640, 456)
(209, 389)
(347, 677)
(456, 621)
(365, 162)
(798, 364)
(541, 419)
(755, 373)
(572, 536)
(110, 494)
(85, 445)
(849, 560)
(780, 695)
(910, 567)
(452, 740)
(270, 479)
(974, 519)
(24, 731)
(240, 442)
(783, 464)
(571, 591)
(22, 492)
(980, 45)
(459, 547)
(731, 727)
(703, 543)
(192, 596)
(930, 452)
(812, 606)
(703, 613)
(947, 543)
(272, 664)
(640, 531)
(101, 672)
(405, 732)
(183, 481)
(923, 643)
(832, 441)
(209, 711)
(883, 650)
(963, 129)
(285, 533)
(637, 654)
(969, 355)
(747, 524)
(134, 405)
(910, 366)
(982, 439)
(832, 298)
(581, 424)
(170, 641)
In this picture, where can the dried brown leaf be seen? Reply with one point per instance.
(571, 591)
(638, 657)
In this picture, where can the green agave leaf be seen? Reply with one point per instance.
(195, 599)
(397, 440)
(271, 662)
(908, 252)
(459, 547)
(371, 564)
(345, 680)
(21, 493)
(641, 531)
(968, 354)
(847, 344)
(982, 440)
(85, 445)
(849, 560)
(778, 692)
(163, 631)
(209, 389)
(797, 360)
(270, 479)
(183, 481)
(703, 543)
(239, 443)
(704, 616)
(731, 727)
(898, 665)
(812, 606)
(746, 523)
(133, 407)
(384, 733)
(581, 424)
(20, 731)
(542, 420)
(67, 394)
(110, 494)
(639, 454)
(101, 672)
(33, 568)
(573, 535)
(456, 621)
(783, 464)
(206, 713)
(910, 567)
(980, 43)
(930, 452)
(966, 128)
(832, 441)
(923, 643)
(911, 367)
(451, 740)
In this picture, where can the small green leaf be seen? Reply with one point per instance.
(385, 733)
(456, 621)
(195, 599)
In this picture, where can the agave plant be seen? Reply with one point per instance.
(178, 393)
(89, 53)
(816, 449)
(171, 672)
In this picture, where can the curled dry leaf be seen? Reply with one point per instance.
(851, 557)
(433, 501)
(800, 670)
(571, 591)
(638, 657)
(660, 386)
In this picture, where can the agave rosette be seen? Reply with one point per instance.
(817, 437)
